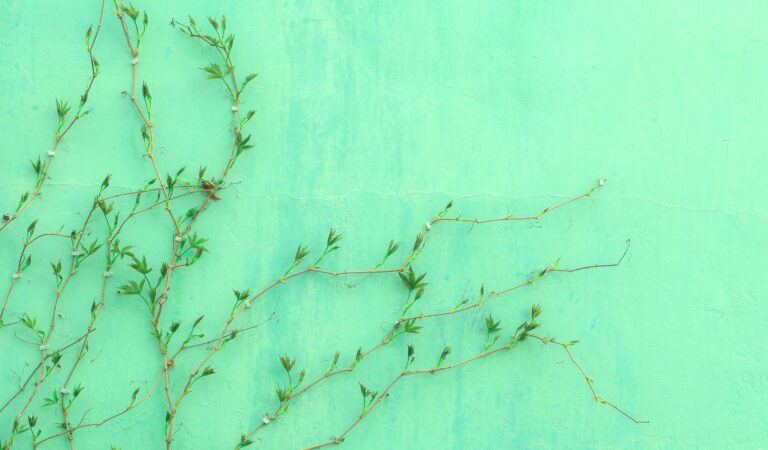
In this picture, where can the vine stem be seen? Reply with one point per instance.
(179, 232)
(14, 280)
(168, 363)
(24, 385)
(68, 429)
(385, 393)
(60, 135)
(85, 337)
(545, 340)
(275, 414)
(43, 375)
(157, 312)
(590, 382)
(510, 218)
(223, 333)
(411, 256)
(110, 418)
(528, 282)
(387, 339)
(226, 328)
(146, 119)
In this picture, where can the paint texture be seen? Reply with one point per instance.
(371, 117)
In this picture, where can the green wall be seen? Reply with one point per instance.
(371, 116)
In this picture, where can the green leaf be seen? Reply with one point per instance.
(132, 288)
(393, 247)
(214, 71)
(52, 400)
(141, 266)
(62, 108)
(287, 363)
(333, 238)
(411, 327)
(131, 11)
(283, 394)
(535, 311)
(244, 441)
(301, 252)
(411, 280)
(492, 325)
(250, 77)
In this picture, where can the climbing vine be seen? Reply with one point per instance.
(99, 245)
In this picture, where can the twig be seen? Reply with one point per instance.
(45, 168)
(590, 382)
(385, 393)
(19, 267)
(24, 385)
(510, 217)
(494, 294)
(389, 337)
(110, 418)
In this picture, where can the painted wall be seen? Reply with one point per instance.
(371, 116)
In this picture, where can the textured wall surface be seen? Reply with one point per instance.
(371, 116)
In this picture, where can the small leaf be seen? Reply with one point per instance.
(393, 247)
(214, 71)
(411, 327)
(301, 252)
(333, 238)
(287, 363)
(492, 325)
(244, 441)
(250, 77)
(535, 311)
(282, 394)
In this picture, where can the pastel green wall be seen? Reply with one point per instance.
(372, 115)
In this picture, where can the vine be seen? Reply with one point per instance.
(184, 201)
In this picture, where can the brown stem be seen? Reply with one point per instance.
(521, 218)
(68, 430)
(146, 120)
(114, 416)
(385, 393)
(278, 411)
(44, 343)
(24, 385)
(60, 136)
(225, 330)
(80, 234)
(590, 382)
(157, 312)
(24, 249)
(331, 373)
(528, 282)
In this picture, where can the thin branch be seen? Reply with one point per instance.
(590, 382)
(24, 385)
(110, 418)
(510, 217)
(271, 417)
(494, 294)
(385, 393)
(148, 123)
(14, 280)
(60, 134)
